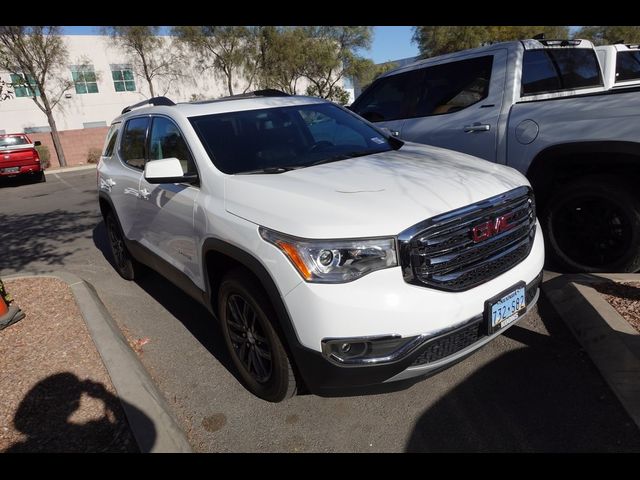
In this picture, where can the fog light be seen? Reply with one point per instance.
(369, 350)
(345, 347)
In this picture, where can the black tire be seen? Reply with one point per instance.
(593, 226)
(271, 378)
(124, 263)
(41, 177)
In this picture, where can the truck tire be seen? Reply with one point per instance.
(593, 226)
(246, 317)
(126, 266)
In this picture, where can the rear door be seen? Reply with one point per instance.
(122, 175)
(460, 105)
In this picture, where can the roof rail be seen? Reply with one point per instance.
(268, 92)
(151, 101)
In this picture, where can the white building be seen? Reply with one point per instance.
(105, 83)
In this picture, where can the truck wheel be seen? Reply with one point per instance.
(125, 264)
(593, 226)
(41, 177)
(255, 347)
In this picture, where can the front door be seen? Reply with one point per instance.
(166, 210)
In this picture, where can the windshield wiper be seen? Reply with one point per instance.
(268, 170)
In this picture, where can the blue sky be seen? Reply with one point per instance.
(389, 43)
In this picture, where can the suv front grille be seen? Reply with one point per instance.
(441, 252)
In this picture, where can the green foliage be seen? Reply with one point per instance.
(604, 35)
(38, 53)
(227, 50)
(367, 77)
(93, 155)
(45, 156)
(146, 54)
(438, 40)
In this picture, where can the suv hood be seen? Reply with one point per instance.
(374, 195)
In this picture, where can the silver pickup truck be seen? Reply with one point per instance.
(539, 106)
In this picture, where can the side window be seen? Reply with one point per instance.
(454, 86)
(132, 147)
(167, 142)
(110, 142)
(627, 66)
(538, 73)
(390, 98)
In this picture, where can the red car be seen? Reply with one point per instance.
(18, 156)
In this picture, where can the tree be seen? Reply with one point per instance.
(36, 56)
(609, 34)
(438, 40)
(148, 55)
(280, 57)
(367, 77)
(230, 51)
(329, 55)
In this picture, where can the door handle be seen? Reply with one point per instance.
(144, 193)
(477, 127)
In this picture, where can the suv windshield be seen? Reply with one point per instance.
(10, 141)
(274, 140)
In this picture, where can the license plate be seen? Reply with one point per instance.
(11, 170)
(505, 308)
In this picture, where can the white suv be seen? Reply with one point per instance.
(333, 254)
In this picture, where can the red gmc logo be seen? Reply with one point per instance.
(492, 227)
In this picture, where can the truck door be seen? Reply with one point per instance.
(460, 104)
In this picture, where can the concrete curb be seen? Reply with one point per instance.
(50, 171)
(131, 380)
(612, 344)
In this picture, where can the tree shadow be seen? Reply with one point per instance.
(41, 237)
(196, 318)
(45, 412)
(544, 397)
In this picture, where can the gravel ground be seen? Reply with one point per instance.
(56, 393)
(625, 298)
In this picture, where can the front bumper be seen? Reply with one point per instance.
(382, 304)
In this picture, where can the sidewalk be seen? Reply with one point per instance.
(78, 168)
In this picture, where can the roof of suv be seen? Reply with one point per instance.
(222, 105)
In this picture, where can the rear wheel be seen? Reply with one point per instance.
(125, 264)
(40, 177)
(594, 226)
(253, 343)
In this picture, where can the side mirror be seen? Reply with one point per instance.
(37, 143)
(167, 170)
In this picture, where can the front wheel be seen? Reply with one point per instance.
(593, 226)
(255, 347)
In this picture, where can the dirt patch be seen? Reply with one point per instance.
(625, 298)
(56, 393)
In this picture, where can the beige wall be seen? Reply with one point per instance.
(75, 143)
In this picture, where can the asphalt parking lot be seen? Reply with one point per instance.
(531, 390)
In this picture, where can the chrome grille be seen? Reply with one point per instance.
(441, 252)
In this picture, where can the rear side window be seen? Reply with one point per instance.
(132, 147)
(552, 70)
(110, 142)
(454, 86)
(166, 142)
(390, 98)
(627, 66)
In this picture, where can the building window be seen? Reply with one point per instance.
(22, 87)
(123, 78)
(84, 78)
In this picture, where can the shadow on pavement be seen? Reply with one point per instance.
(41, 237)
(44, 417)
(197, 319)
(529, 399)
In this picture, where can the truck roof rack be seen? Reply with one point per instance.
(151, 101)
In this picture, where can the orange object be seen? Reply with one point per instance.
(3, 306)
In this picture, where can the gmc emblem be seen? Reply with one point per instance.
(492, 227)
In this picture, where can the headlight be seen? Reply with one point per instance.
(334, 261)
